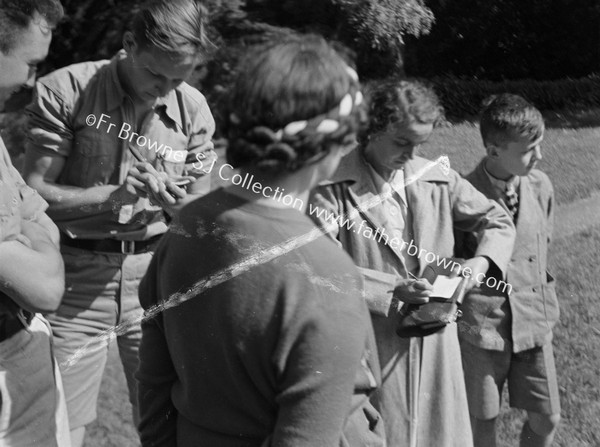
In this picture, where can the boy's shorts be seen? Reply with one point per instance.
(531, 376)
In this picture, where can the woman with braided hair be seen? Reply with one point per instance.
(255, 332)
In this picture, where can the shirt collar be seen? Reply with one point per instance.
(115, 94)
(396, 182)
(170, 105)
(502, 185)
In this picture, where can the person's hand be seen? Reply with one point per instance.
(133, 188)
(413, 291)
(178, 186)
(148, 182)
(160, 188)
(145, 180)
(474, 269)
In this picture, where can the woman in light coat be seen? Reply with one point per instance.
(395, 214)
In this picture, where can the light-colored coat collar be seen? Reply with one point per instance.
(354, 170)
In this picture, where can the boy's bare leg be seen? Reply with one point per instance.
(484, 432)
(539, 430)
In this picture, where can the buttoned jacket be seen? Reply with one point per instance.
(526, 309)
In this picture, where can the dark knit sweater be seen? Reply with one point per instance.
(279, 354)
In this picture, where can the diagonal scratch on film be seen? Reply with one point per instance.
(219, 277)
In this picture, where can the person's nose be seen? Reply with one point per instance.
(538, 152)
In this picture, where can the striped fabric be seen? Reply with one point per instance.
(512, 200)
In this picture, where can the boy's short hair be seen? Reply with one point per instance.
(16, 15)
(174, 26)
(401, 101)
(506, 117)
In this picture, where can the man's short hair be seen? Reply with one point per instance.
(507, 117)
(175, 26)
(16, 15)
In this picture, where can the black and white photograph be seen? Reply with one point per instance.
(318, 223)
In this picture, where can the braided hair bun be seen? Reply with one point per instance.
(291, 101)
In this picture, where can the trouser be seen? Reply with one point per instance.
(32, 404)
(100, 303)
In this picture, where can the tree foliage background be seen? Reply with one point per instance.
(509, 39)
(370, 30)
(491, 40)
(453, 41)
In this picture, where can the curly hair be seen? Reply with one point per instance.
(506, 117)
(401, 101)
(285, 94)
(15, 16)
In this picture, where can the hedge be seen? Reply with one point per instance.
(464, 97)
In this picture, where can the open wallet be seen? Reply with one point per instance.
(443, 308)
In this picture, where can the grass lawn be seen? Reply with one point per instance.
(114, 426)
(572, 161)
(570, 156)
(574, 263)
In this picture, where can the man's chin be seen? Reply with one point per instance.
(147, 96)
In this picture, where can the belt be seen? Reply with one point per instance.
(10, 325)
(112, 245)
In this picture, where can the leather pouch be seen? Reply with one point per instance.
(420, 320)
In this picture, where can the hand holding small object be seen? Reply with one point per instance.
(177, 186)
(413, 291)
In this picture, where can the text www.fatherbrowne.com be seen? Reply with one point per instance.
(410, 248)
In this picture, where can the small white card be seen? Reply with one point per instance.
(444, 286)
(125, 213)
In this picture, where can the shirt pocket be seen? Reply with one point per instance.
(170, 158)
(92, 161)
(172, 162)
(363, 426)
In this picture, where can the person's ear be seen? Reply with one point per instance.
(129, 43)
(493, 151)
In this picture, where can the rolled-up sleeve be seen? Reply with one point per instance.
(32, 204)
(49, 131)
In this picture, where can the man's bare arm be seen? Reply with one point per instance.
(68, 202)
(31, 269)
